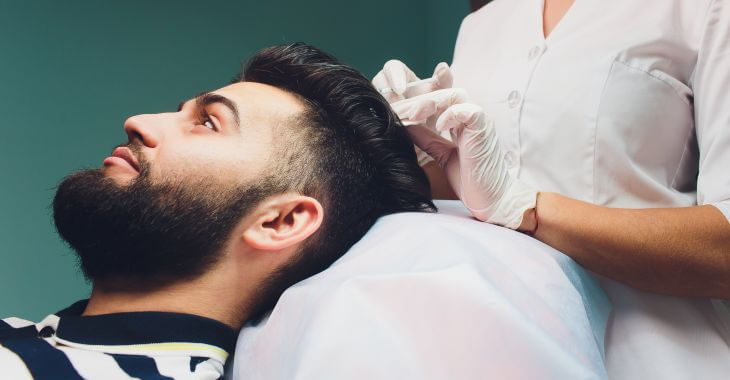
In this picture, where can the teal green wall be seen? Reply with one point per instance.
(72, 71)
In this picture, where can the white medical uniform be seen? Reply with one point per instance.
(625, 104)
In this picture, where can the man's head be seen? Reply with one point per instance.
(281, 171)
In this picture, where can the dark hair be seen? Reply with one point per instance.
(348, 150)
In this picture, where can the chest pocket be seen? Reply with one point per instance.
(645, 137)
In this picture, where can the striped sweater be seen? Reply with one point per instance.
(136, 345)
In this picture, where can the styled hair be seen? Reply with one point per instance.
(348, 150)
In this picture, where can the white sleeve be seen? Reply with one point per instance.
(711, 86)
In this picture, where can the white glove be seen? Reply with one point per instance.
(472, 160)
(396, 75)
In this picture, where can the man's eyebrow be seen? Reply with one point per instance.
(205, 99)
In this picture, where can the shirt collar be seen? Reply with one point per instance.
(141, 329)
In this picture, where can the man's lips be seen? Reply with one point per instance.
(123, 156)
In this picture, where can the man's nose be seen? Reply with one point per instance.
(145, 128)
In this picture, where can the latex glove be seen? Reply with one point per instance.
(472, 161)
(396, 75)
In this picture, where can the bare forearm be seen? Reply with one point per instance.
(678, 251)
(440, 188)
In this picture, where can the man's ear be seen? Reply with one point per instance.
(283, 221)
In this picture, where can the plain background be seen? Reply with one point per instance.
(71, 72)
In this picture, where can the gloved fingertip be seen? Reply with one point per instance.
(444, 125)
(466, 116)
(396, 75)
(443, 76)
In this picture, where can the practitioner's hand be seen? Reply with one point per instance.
(472, 160)
(396, 76)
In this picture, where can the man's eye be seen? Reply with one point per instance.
(209, 124)
(206, 121)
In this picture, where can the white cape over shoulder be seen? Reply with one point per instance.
(434, 296)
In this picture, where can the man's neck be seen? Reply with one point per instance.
(217, 300)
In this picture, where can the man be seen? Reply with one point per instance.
(207, 214)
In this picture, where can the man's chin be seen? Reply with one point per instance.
(122, 175)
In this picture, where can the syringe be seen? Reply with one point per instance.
(410, 85)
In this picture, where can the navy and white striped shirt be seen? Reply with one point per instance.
(136, 345)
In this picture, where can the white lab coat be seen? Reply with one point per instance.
(625, 104)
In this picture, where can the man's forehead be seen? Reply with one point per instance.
(258, 99)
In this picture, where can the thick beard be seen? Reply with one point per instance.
(146, 234)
